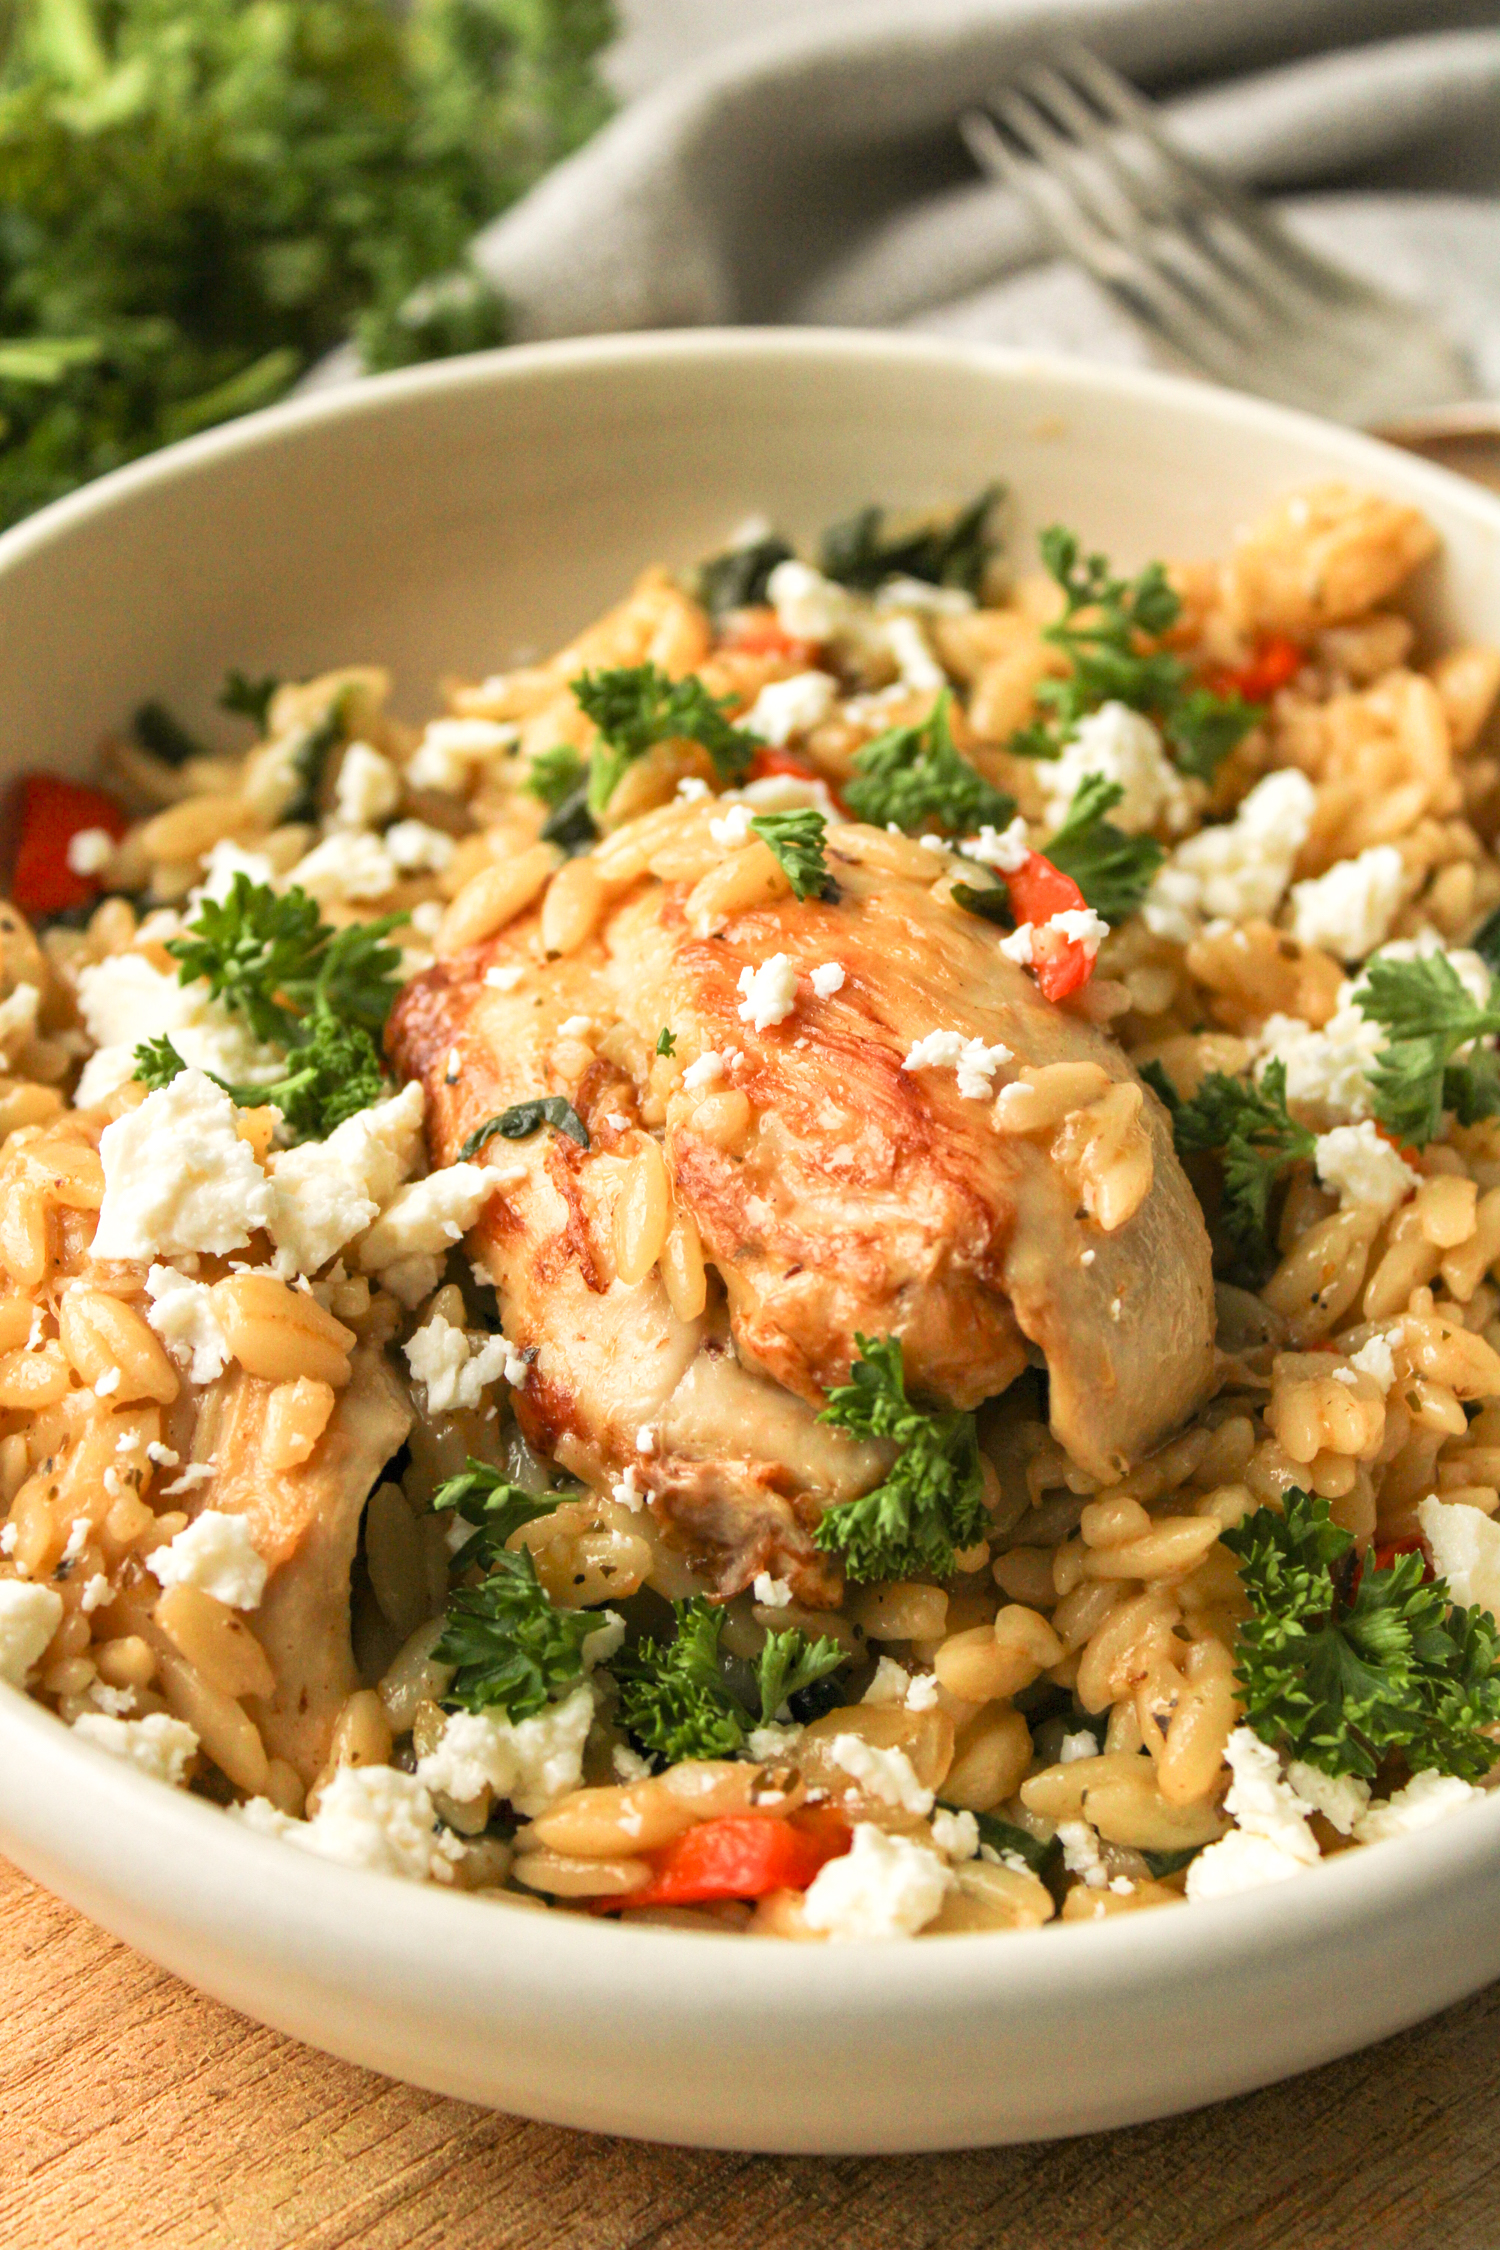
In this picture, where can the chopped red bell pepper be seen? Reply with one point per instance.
(1038, 890)
(756, 632)
(768, 761)
(1387, 1550)
(1275, 661)
(742, 1855)
(48, 814)
(1404, 1149)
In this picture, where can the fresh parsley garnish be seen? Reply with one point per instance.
(912, 775)
(329, 1076)
(310, 753)
(1427, 1015)
(1044, 1859)
(495, 1508)
(675, 1696)
(556, 773)
(523, 1119)
(512, 1646)
(1340, 1668)
(1112, 870)
(637, 706)
(156, 730)
(272, 958)
(796, 838)
(1244, 1122)
(954, 552)
(932, 1501)
(666, 1041)
(740, 578)
(1103, 623)
(249, 698)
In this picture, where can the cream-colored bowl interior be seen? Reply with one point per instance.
(450, 520)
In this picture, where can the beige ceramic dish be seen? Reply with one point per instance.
(443, 520)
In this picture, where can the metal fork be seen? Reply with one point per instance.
(1195, 261)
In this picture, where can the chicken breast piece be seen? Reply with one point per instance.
(835, 1194)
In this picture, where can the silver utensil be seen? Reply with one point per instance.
(1198, 263)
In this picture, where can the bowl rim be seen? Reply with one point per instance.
(201, 1863)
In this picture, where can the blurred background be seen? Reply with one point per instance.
(207, 203)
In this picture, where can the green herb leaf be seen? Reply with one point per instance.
(1340, 1673)
(789, 1663)
(1427, 1015)
(557, 774)
(1044, 1859)
(740, 578)
(637, 706)
(249, 698)
(313, 748)
(932, 1500)
(674, 1699)
(913, 775)
(1247, 1124)
(951, 552)
(796, 838)
(494, 1507)
(1112, 870)
(330, 1076)
(666, 1042)
(156, 730)
(510, 1644)
(523, 1119)
(571, 827)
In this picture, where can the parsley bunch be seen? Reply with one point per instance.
(510, 1644)
(200, 197)
(636, 706)
(1104, 622)
(332, 1075)
(495, 1508)
(1112, 870)
(950, 552)
(911, 775)
(1340, 1668)
(796, 838)
(1247, 1125)
(676, 1701)
(933, 1499)
(1427, 1015)
(739, 578)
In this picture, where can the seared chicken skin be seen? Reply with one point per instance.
(835, 1193)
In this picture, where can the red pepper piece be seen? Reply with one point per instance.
(1388, 1549)
(755, 632)
(743, 1855)
(48, 813)
(1038, 890)
(1276, 660)
(768, 761)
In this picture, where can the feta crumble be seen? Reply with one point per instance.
(827, 979)
(1349, 911)
(886, 1775)
(706, 1071)
(451, 748)
(771, 1593)
(1328, 1069)
(124, 1001)
(883, 1887)
(1081, 1853)
(1006, 849)
(425, 1219)
(733, 828)
(1270, 1839)
(1238, 870)
(769, 992)
(350, 864)
(90, 851)
(182, 1313)
(1465, 1547)
(368, 1816)
(1427, 1797)
(29, 1616)
(1340, 1797)
(413, 846)
(1363, 1169)
(1123, 746)
(159, 1746)
(1377, 1359)
(368, 787)
(809, 606)
(785, 708)
(530, 1762)
(217, 1553)
(456, 1368)
(177, 1176)
(327, 1192)
(956, 1833)
(974, 1061)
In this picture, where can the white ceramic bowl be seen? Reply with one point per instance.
(442, 520)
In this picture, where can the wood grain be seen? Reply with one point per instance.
(136, 2114)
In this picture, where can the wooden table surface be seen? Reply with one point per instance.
(135, 2114)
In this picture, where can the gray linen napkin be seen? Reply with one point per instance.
(812, 172)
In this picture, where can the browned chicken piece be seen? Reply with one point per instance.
(305, 1524)
(835, 1194)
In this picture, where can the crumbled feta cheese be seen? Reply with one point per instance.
(78, 1538)
(223, 862)
(18, 1013)
(771, 1593)
(426, 1218)
(1364, 1169)
(1076, 1746)
(975, 1063)
(1465, 1546)
(195, 1474)
(217, 1553)
(1238, 870)
(883, 1886)
(628, 1765)
(114, 1702)
(178, 1177)
(455, 1367)
(809, 606)
(450, 748)
(890, 1684)
(899, 592)
(772, 1745)
(9, 1534)
(692, 789)
(368, 787)
(123, 1001)
(1328, 1068)
(1122, 746)
(96, 1593)
(517, 1366)
(1004, 848)
(1466, 965)
(785, 708)
(956, 1833)
(1238, 1862)
(1018, 946)
(1340, 1797)
(161, 1454)
(427, 916)
(1260, 1802)
(108, 1383)
(90, 851)
(911, 652)
(706, 1071)
(182, 1313)
(733, 828)
(156, 1745)
(1429, 1796)
(827, 979)
(923, 1693)
(505, 975)
(327, 1192)
(1349, 910)
(1080, 925)
(1081, 1853)
(645, 1439)
(628, 1490)
(886, 1775)
(349, 864)
(414, 845)
(29, 1616)
(1376, 1358)
(531, 1762)
(368, 1816)
(769, 992)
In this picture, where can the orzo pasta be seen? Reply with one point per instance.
(827, 1267)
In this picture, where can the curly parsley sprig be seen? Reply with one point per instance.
(1428, 1014)
(1245, 1123)
(931, 1502)
(953, 551)
(510, 1643)
(483, 1498)
(636, 706)
(1105, 620)
(797, 838)
(1340, 1668)
(329, 1077)
(1113, 870)
(916, 774)
(675, 1697)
